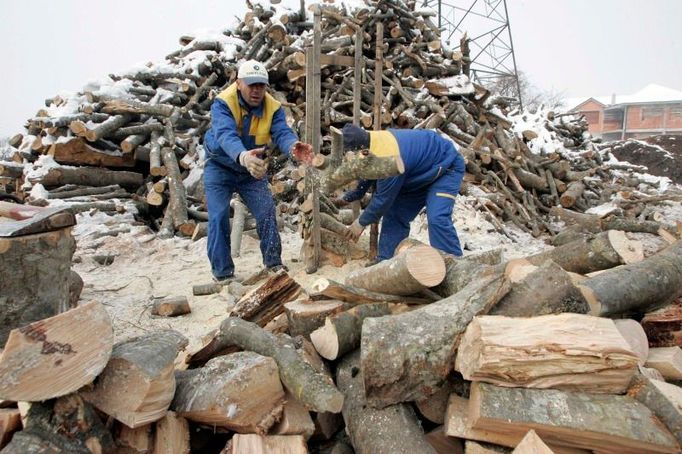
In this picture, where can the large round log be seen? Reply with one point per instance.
(641, 286)
(407, 273)
(36, 270)
(392, 429)
(605, 250)
(407, 356)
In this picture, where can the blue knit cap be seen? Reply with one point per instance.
(354, 138)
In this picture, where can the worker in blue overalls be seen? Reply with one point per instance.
(433, 174)
(244, 119)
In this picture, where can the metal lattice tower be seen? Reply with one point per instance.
(486, 24)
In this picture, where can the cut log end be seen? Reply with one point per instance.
(326, 341)
(426, 266)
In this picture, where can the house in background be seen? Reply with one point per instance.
(651, 111)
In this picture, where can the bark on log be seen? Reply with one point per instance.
(605, 250)
(88, 176)
(306, 316)
(547, 289)
(663, 327)
(327, 289)
(405, 357)
(572, 194)
(373, 431)
(309, 387)
(138, 384)
(37, 269)
(641, 286)
(588, 421)
(663, 399)
(57, 355)
(369, 167)
(171, 307)
(341, 332)
(404, 274)
(77, 151)
(177, 204)
(239, 391)
(237, 227)
(550, 351)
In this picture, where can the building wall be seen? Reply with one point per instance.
(641, 120)
(593, 112)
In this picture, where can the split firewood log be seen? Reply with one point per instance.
(341, 332)
(407, 273)
(135, 440)
(56, 356)
(666, 360)
(138, 384)
(641, 286)
(443, 444)
(532, 444)
(171, 307)
(391, 429)
(240, 391)
(251, 443)
(605, 250)
(562, 417)
(305, 316)
(10, 422)
(78, 152)
(663, 327)
(434, 407)
(405, 356)
(549, 351)
(263, 303)
(295, 420)
(171, 435)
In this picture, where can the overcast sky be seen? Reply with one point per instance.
(579, 47)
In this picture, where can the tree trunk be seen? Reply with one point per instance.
(341, 332)
(390, 430)
(56, 356)
(138, 384)
(405, 357)
(588, 421)
(88, 176)
(361, 167)
(309, 387)
(327, 289)
(546, 289)
(36, 270)
(550, 351)
(405, 274)
(641, 286)
(240, 392)
(605, 250)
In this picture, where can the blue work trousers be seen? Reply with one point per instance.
(220, 182)
(439, 199)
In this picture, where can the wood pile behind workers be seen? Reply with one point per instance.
(422, 353)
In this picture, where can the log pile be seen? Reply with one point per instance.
(137, 136)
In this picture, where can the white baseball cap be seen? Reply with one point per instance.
(253, 72)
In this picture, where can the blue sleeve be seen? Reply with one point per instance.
(283, 136)
(357, 193)
(384, 196)
(225, 130)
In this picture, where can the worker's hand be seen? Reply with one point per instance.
(302, 152)
(254, 164)
(339, 202)
(354, 231)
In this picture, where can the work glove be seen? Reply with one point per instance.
(253, 163)
(302, 152)
(354, 231)
(339, 202)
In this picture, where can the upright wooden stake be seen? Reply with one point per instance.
(378, 71)
(357, 74)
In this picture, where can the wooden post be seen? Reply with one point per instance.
(357, 74)
(378, 71)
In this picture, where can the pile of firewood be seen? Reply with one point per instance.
(421, 353)
(138, 135)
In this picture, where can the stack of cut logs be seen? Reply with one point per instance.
(139, 134)
(422, 353)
